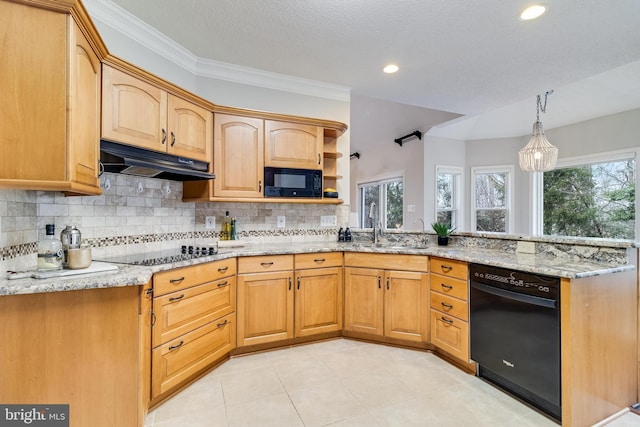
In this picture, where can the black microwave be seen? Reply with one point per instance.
(287, 182)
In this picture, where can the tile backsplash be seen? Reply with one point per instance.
(135, 213)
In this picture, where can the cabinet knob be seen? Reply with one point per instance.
(220, 325)
(223, 284)
(178, 280)
(223, 269)
(446, 306)
(266, 264)
(178, 298)
(447, 287)
(449, 321)
(446, 268)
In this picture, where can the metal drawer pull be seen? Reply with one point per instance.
(177, 280)
(379, 281)
(222, 269)
(298, 282)
(223, 284)
(153, 318)
(176, 298)
(173, 139)
(319, 260)
(447, 306)
(449, 321)
(174, 347)
(446, 268)
(449, 287)
(266, 264)
(164, 136)
(220, 325)
(388, 283)
(289, 283)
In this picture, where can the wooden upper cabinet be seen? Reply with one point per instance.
(133, 112)
(238, 161)
(190, 130)
(49, 117)
(293, 145)
(138, 113)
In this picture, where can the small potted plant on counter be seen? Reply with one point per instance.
(443, 231)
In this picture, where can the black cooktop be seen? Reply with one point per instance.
(163, 257)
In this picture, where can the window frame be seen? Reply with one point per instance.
(457, 207)
(537, 184)
(483, 170)
(382, 206)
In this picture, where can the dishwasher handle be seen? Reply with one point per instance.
(515, 296)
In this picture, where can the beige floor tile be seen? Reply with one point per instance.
(243, 363)
(627, 420)
(366, 420)
(247, 385)
(303, 373)
(271, 411)
(204, 416)
(348, 365)
(326, 403)
(425, 412)
(377, 392)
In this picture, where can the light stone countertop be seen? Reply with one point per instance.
(139, 275)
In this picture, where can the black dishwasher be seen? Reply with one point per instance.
(515, 333)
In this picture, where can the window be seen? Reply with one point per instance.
(448, 195)
(388, 196)
(591, 197)
(491, 199)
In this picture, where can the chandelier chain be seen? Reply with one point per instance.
(540, 107)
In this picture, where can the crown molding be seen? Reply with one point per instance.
(251, 76)
(115, 17)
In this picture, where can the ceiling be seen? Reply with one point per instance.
(471, 57)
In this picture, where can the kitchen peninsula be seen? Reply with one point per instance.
(599, 356)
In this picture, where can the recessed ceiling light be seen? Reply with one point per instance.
(390, 69)
(534, 11)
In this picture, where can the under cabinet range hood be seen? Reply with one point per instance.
(120, 158)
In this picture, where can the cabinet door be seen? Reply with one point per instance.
(133, 112)
(318, 301)
(450, 334)
(292, 145)
(406, 305)
(190, 130)
(363, 300)
(238, 156)
(85, 80)
(265, 307)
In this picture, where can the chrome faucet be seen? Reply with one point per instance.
(421, 221)
(373, 214)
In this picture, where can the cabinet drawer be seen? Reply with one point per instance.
(179, 359)
(262, 264)
(449, 286)
(177, 279)
(450, 306)
(450, 334)
(180, 312)
(317, 260)
(448, 267)
(387, 261)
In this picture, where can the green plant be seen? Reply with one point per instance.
(442, 229)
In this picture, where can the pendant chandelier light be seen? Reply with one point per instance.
(538, 155)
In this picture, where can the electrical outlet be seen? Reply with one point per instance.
(281, 221)
(328, 220)
(210, 222)
(526, 247)
(411, 208)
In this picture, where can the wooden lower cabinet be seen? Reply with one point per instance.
(318, 301)
(391, 303)
(180, 359)
(83, 348)
(195, 325)
(265, 307)
(449, 298)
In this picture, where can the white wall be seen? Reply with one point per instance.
(374, 126)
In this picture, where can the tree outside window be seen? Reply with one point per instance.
(593, 200)
(388, 197)
(491, 200)
(448, 195)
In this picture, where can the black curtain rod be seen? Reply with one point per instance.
(416, 134)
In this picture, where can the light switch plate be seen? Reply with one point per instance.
(328, 220)
(411, 208)
(526, 247)
(281, 221)
(210, 222)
